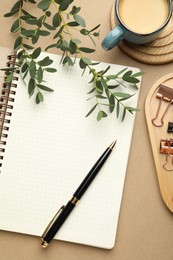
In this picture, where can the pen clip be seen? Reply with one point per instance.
(52, 221)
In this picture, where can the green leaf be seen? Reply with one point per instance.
(32, 21)
(118, 109)
(96, 34)
(48, 13)
(18, 43)
(7, 69)
(138, 74)
(73, 24)
(15, 26)
(28, 32)
(95, 28)
(100, 96)
(112, 86)
(32, 1)
(26, 13)
(131, 80)
(29, 47)
(121, 71)
(104, 72)
(64, 4)
(92, 109)
(103, 82)
(76, 41)
(25, 17)
(68, 60)
(41, 20)
(99, 86)
(25, 74)
(58, 1)
(86, 60)
(43, 32)
(48, 26)
(32, 69)
(36, 53)
(64, 47)
(86, 50)
(45, 88)
(31, 87)
(111, 103)
(75, 10)
(39, 97)
(20, 54)
(82, 64)
(73, 47)
(123, 115)
(50, 70)
(45, 62)
(34, 39)
(132, 109)
(100, 115)
(126, 97)
(51, 46)
(56, 20)
(17, 6)
(24, 67)
(84, 31)
(127, 74)
(122, 94)
(9, 78)
(91, 91)
(11, 13)
(111, 77)
(59, 32)
(79, 20)
(44, 4)
(40, 74)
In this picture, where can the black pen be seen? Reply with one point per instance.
(65, 210)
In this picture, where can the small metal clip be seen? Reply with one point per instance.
(164, 93)
(170, 127)
(166, 147)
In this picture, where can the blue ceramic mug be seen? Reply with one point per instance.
(138, 21)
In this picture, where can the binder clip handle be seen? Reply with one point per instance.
(166, 147)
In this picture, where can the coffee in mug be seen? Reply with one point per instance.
(138, 21)
(143, 16)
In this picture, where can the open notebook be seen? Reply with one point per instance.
(50, 148)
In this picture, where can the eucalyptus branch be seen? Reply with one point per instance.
(103, 90)
(63, 22)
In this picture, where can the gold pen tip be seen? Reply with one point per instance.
(112, 144)
(44, 244)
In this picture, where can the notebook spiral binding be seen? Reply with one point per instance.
(6, 103)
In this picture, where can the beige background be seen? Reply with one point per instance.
(145, 230)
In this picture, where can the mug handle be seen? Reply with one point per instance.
(113, 38)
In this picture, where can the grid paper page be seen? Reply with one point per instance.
(50, 149)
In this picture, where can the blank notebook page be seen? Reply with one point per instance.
(50, 149)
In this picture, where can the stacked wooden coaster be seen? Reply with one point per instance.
(160, 51)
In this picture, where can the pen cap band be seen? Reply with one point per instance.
(74, 200)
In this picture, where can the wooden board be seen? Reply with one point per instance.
(165, 177)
